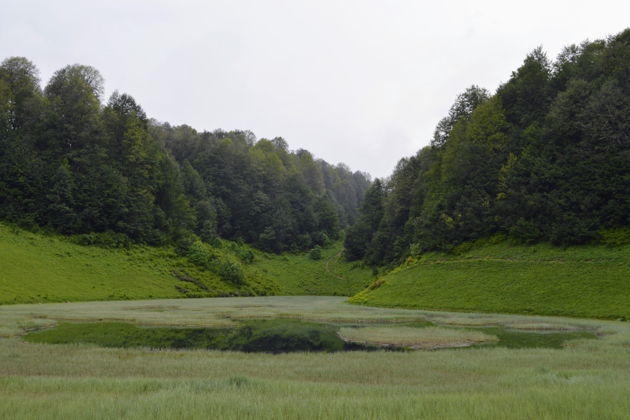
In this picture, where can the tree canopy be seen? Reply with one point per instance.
(71, 163)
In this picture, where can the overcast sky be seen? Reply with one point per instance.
(360, 82)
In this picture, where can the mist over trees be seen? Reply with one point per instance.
(546, 158)
(76, 165)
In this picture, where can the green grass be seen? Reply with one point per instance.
(301, 275)
(588, 281)
(585, 379)
(51, 268)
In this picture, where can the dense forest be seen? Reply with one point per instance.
(545, 158)
(70, 163)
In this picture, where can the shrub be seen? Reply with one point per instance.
(200, 254)
(231, 271)
(316, 253)
(103, 240)
(615, 237)
(525, 231)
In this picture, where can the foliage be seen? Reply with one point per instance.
(316, 253)
(104, 240)
(70, 163)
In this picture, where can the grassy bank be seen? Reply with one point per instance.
(588, 281)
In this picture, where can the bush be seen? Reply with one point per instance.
(525, 231)
(242, 251)
(231, 271)
(183, 242)
(316, 253)
(615, 237)
(103, 240)
(200, 254)
(572, 231)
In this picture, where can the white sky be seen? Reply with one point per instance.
(361, 82)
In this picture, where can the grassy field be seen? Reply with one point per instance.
(586, 379)
(48, 268)
(588, 281)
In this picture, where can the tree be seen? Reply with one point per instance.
(462, 109)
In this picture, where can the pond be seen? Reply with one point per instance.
(291, 335)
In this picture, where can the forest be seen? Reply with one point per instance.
(70, 163)
(544, 158)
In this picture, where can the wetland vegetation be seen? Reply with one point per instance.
(580, 378)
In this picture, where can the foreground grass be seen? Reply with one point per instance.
(584, 380)
(589, 281)
(548, 395)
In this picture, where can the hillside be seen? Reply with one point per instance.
(52, 268)
(545, 158)
(584, 281)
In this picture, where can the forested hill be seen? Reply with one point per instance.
(544, 158)
(73, 164)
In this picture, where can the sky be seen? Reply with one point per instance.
(360, 82)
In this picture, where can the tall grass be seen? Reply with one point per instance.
(586, 379)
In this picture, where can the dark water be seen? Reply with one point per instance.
(270, 336)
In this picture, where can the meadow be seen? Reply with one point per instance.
(584, 378)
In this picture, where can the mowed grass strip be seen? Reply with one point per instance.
(589, 281)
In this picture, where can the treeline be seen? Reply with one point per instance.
(545, 158)
(73, 164)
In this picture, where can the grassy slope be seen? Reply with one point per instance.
(46, 268)
(42, 268)
(301, 275)
(589, 281)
